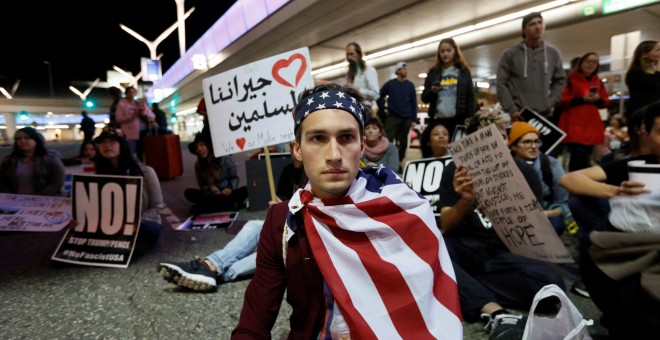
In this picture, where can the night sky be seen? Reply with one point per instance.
(83, 40)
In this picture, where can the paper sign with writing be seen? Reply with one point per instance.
(250, 106)
(551, 134)
(219, 220)
(34, 213)
(107, 209)
(424, 175)
(499, 186)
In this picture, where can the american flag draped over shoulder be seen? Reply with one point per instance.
(383, 258)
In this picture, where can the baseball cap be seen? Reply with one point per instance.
(400, 65)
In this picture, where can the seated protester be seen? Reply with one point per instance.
(115, 158)
(30, 169)
(379, 149)
(489, 277)
(218, 181)
(85, 155)
(524, 141)
(238, 258)
(356, 251)
(629, 301)
(434, 140)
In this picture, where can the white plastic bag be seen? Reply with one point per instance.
(568, 324)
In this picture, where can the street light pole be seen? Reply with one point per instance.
(151, 45)
(182, 26)
(50, 77)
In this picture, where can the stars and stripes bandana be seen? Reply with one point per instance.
(382, 257)
(330, 99)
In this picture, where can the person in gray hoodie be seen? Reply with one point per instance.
(530, 73)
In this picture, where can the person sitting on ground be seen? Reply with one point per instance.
(434, 140)
(379, 149)
(629, 302)
(356, 250)
(490, 278)
(86, 154)
(238, 258)
(218, 181)
(524, 141)
(30, 169)
(115, 158)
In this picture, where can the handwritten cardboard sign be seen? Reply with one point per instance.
(424, 175)
(107, 209)
(34, 213)
(250, 106)
(517, 217)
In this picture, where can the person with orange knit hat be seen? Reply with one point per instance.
(524, 141)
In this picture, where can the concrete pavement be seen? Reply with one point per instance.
(42, 299)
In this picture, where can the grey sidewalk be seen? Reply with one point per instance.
(45, 300)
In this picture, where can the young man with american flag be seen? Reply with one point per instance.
(357, 251)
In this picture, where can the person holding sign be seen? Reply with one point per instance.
(490, 278)
(218, 181)
(624, 287)
(30, 169)
(524, 141)
(115, 158)
(347, 246)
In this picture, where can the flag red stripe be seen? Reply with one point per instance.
(421, 240)
(356, 323)
(389, 282)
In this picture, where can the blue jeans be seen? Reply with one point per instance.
(239, 256)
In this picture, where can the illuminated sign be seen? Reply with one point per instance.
(611, 6)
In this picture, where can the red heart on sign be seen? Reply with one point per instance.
(240, 142)
(284, 63)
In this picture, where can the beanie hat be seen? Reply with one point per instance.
(519, 129)
(529, 17)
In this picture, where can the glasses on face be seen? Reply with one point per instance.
(530, 143)
(591, 61)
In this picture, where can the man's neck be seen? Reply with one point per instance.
(533, 43)
(401, 79)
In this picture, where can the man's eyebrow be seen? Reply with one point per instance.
(325, 131)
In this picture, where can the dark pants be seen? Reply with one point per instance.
(628, 310)
(398, 131)
(580, 156)
(488, 272)
(205, 204)
(147, 236)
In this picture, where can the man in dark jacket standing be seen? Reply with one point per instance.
(401, 107)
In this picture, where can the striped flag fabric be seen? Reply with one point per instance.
(383, 258)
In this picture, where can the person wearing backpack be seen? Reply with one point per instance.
(524, 142)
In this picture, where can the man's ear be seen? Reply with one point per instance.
(296, 150)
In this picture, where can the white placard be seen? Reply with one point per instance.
(250, 106)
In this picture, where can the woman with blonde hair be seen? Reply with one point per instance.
(448, 88)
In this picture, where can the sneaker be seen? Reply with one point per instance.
(193, 275)
(578, 288)
(505, 326)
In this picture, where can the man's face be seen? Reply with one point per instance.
(527, 147)
(534, 29)
(351, 54)
(402, 72)
(653, 138)
(330, 149)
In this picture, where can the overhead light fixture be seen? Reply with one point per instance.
(450, 34)
(2, 89)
